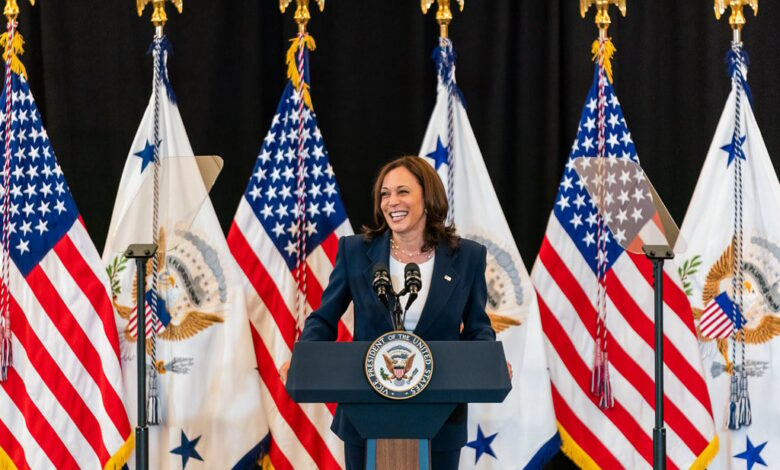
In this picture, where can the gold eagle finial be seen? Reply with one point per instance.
(443, 14)
(602, 12)
(11, 10)
(737, 18)
(159, 18)
(302, 13)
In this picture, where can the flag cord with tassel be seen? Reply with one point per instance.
(153, 399)
(6, 356)
(600, 382)
(739, 401)
(447, 73)
(300, 234)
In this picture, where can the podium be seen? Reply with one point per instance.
(398, 432)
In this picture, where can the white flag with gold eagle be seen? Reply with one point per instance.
(731, 273)
(202, 368)
(520, 432)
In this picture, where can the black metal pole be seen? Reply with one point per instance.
(141, 253)
(657, 254)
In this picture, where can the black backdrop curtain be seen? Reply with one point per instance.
(524, 68)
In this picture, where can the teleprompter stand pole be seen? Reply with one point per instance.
(658, 254)
(141, 253)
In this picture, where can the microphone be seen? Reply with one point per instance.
(381, 283)
(412, 282)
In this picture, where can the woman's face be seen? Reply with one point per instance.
(402, 202)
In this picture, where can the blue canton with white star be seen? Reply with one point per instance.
(575, 210)
(41, 207)
(272, 190)
(752, 454)
(187, 449)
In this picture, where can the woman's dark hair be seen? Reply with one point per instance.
(434, 202)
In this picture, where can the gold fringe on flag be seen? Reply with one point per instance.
(292, 65)
(16, 49)
(603, 55)
(574, 452)
(5, 461)
(118, 460)
(706, 457)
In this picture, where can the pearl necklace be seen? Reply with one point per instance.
(398, 250)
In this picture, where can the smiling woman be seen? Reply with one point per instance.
(410, 210)
(410, 201)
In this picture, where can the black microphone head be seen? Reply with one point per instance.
(381, 282)
(381, 276)
(412, 278)
(380, 270)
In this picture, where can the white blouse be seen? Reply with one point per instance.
(397, 277)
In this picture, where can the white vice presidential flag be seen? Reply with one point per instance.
(520, 432)
(708, 268)
(207, 382)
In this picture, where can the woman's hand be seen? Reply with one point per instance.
(508, 367)
(285, 367)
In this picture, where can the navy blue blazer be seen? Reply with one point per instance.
(457, 296)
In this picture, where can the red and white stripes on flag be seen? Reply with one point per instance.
(301, 436)
(714, 323)
(62, 405)
(132, 324)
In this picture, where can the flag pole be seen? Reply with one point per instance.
(149, 404)
(656, 253)
(740, 414)
(446, 70)
(297, 72)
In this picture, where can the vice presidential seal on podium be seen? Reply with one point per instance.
(399, 365)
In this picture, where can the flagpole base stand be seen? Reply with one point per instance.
(141, 253)
(658, 254)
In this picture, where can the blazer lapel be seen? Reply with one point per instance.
(443, 283)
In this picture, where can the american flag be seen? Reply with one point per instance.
(567, 282)
(718, 319)
(62, 402)
(263, 241)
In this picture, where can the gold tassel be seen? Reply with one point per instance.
(292, 66)
(604, 56)
(16, 49)
(120, 457)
